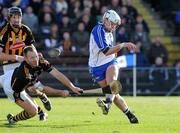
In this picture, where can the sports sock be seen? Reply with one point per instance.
(41, 96)
(40, 111)
(21, 116)
(128, 113)
(110, 97)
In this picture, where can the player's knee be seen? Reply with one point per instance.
(33, 111)
(113, 88)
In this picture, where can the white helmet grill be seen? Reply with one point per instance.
(112, 16)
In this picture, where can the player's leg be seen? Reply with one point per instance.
(99, 75)
(112, 75)
(122, 105)
(42, 115)
(103, 104)
(38, 91)
(23, 100)
(109, 76)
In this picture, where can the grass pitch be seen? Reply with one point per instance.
(81, 115)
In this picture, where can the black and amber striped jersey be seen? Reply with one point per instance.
(13, 43)
(24, 75)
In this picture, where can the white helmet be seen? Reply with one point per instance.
(112, 16)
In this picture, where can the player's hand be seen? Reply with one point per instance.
(77, 90)
(130, 46)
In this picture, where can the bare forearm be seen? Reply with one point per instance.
(119, 46)
(62, 78)
(115, 49)
(6, 57)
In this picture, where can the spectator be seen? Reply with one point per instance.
(122, 35)
(157, 50)
(140, 20)
(96, 8)
(116, 5)
(31, 20)
(67, 42)
(65, 26)
(131, 10)
(52, 41)
(61, 6)
(60, 10)
(4, 15)
(36, 5)
(87, 3)
(96, 11)
(23, 4)
(81, 38)
(74, 10)
(141, 60)
(129, 20)
(46, 9)
(88, 23)
(46, 25)
(141, 35)
(159, 74)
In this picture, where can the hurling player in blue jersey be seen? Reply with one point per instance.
(103, 64)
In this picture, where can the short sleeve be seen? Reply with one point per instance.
(100, 39)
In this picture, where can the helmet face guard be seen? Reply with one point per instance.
(113, 19)
(15, 11)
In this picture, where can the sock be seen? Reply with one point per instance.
(128, 113)
(21, 116)
(41, 96)
(110, 97)
(40, 111)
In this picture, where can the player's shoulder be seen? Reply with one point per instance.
(22, 69)
(4, 26)
(26, 28)
(98, 27)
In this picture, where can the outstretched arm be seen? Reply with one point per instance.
(7, 57)
(63, 79)
(119, 46)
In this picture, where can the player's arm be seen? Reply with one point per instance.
(101, 41)
(63, 79)
(119, 46)
(8, 57)
(3, 39)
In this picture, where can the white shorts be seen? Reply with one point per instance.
(9, 67)
(8, 89)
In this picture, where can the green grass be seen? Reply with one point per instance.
(74, 115)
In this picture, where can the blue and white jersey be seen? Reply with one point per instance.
(100, 41)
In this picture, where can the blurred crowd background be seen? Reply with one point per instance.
(66, 24)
